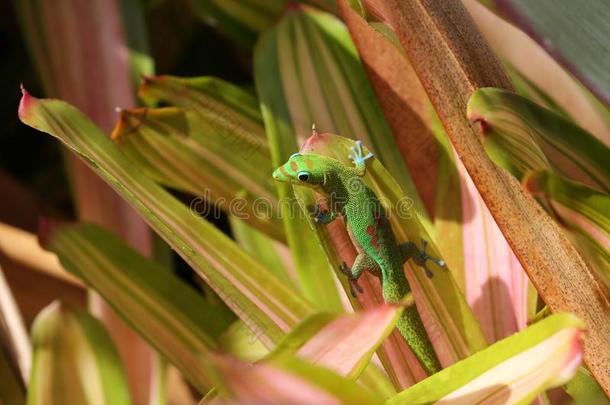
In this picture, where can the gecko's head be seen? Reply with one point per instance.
(305, 170)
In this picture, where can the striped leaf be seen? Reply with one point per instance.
(244, 20)
(510, 123)
(204, 159)
(250, 290)
(88, 53)
(75, 361)
(512, 371)
(226, 106)
(177, 321)
(580, 209)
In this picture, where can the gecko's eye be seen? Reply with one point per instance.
(303, 176)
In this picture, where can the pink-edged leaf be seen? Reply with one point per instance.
(343, 344)
(494, 283)
(287, 381)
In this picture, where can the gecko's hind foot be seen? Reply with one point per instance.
(354, 287)
(423, 257)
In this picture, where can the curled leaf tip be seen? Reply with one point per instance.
(26, 102)
(125, 124)
(146, 81)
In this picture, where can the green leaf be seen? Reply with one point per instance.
(511, 371)
(578, 208)
(169, 314)
(207, 159)
(226, 106)
(250, 290)
(75, 361)
(521, 136)
(573, 33)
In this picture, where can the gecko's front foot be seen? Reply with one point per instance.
(321, 215)
(354, 287)
(356, 155)
(423, 257)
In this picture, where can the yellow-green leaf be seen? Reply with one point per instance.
(511, 371)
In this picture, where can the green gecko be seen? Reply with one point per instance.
(378, 252)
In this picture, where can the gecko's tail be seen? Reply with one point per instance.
(412, 329)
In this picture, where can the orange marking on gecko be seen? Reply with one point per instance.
(283, 171)
(309, 164)
(370, 230)
(294, 167)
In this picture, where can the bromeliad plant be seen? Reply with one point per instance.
(520, 298)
